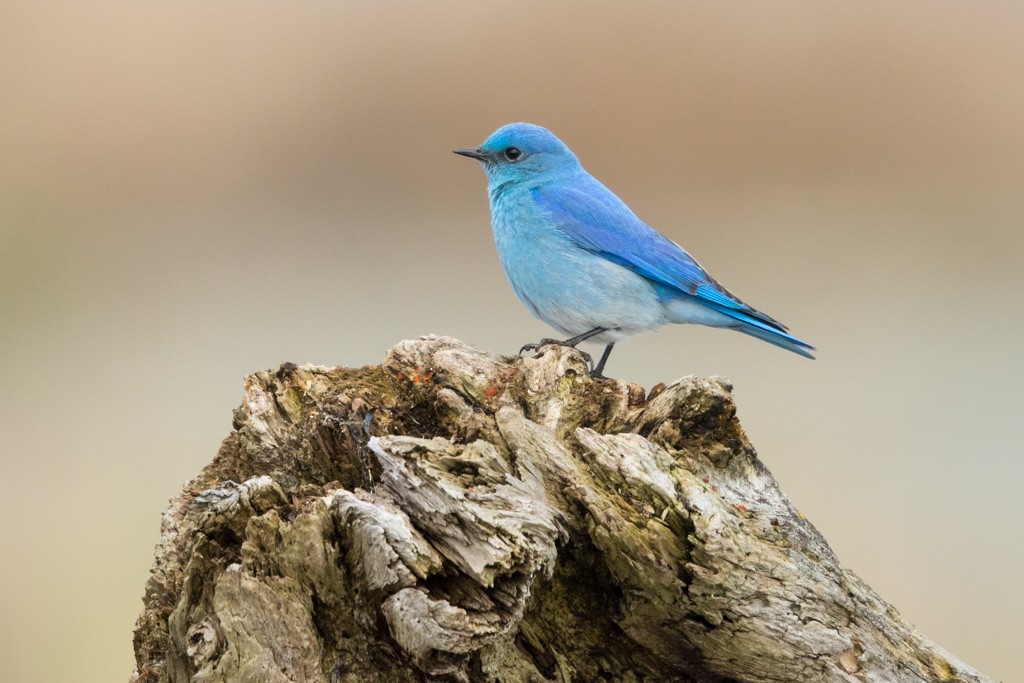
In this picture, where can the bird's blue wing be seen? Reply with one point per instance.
(598, 221)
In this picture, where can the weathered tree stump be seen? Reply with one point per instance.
(453, 516)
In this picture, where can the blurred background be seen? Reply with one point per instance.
(195, 191)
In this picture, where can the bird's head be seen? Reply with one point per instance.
(522, 152)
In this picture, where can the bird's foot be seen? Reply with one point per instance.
(556, 342)
(596, 374)
(543, 342)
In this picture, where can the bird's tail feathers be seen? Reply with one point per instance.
(781, 340)
(766, 332)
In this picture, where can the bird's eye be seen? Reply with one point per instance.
(513, 153)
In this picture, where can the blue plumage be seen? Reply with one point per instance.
(582, 261)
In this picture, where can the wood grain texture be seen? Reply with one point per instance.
(450, 515)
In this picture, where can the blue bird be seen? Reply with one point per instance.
(582, 261)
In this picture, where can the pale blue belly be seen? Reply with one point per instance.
(574, 290)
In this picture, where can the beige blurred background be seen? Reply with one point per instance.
(193, 191)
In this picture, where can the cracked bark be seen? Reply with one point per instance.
(502, 520)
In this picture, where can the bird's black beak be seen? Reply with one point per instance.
(472, 152)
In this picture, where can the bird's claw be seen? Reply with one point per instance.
(555, 342)
(543, 342)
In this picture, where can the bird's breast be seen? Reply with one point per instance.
(570, 288)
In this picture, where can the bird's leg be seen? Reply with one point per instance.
(571, 342)
(596, 372)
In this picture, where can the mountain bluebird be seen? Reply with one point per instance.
(582, 262)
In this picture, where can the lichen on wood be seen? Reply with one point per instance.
(450, 515)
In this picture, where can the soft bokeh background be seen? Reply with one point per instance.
(192, 191)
